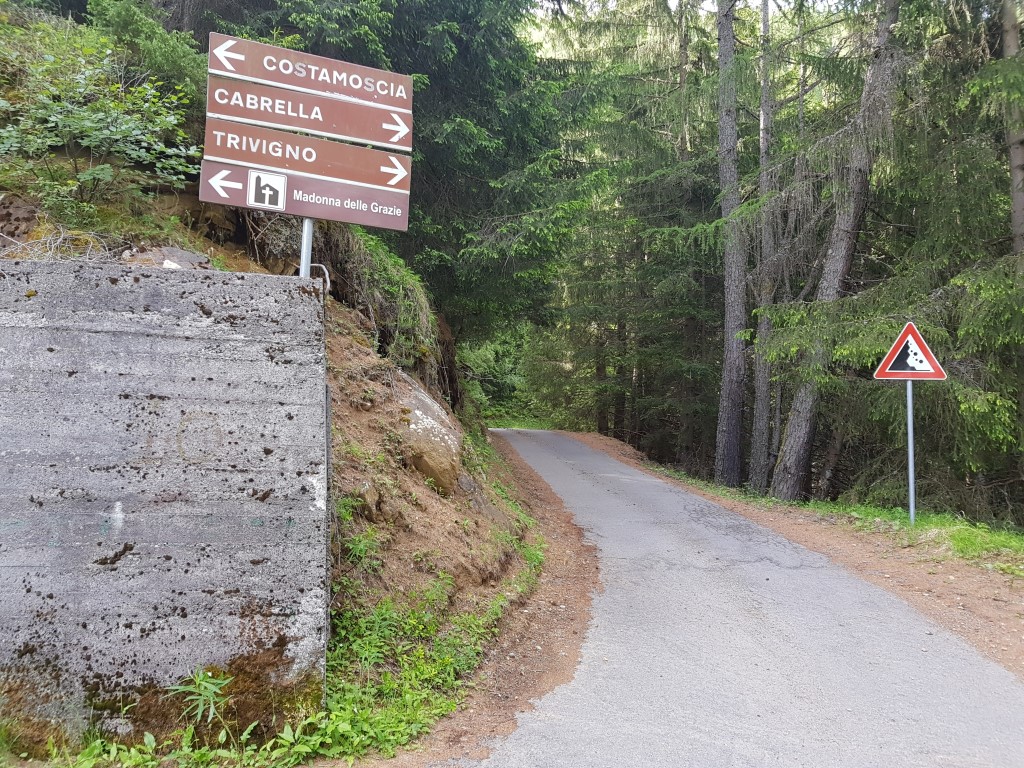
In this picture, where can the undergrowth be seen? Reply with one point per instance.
(392, 670)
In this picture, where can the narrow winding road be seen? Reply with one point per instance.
(718, 643)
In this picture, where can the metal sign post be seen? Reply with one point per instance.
(306, 252)
(910, 359)
(910, 450)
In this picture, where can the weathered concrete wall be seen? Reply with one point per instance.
(163, 483)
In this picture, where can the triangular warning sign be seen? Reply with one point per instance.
(910, 359)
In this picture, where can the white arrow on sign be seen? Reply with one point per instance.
(219, 183)
(399, 125)
(397, 171)
(224, 53)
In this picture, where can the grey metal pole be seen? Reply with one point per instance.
(307, 247)
(910, 448)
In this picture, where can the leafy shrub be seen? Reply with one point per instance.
(172, 57)
(78, 129)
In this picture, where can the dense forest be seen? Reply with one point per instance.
(695, 228)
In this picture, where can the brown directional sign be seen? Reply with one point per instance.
(270, 65)
(254, 104)
(286, 192)
(266, 148)
(255, 89)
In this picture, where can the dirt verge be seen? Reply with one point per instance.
(540, 641)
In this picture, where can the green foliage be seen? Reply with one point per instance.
(166, 57)
(494, 384)
(346, 508)
(364, 549)
(394, 670)
(77, 130)
(351, 31)
(202, 693)
(358, 546)
(9, 741)
(393, 297)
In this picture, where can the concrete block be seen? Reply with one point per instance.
(163, 483)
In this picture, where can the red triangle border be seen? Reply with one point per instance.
(910, 330)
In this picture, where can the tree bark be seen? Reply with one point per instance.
(767, 273)
(793, 466)
(832, 456)
(1014, 133)
(621, 382)
(683, 140)
(729, 436)
(761, 432)
(601, 382)
(1015, 142)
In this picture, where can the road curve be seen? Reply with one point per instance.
(717, 642)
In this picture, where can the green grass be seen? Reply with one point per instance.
(8, 742)
(392, 670)
(505, 421)
(963, 538)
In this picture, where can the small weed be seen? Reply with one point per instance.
(426, 560)
(364, 549)
(365, 457)
(346, 508)
(203, 694)
(522, 518)
(9, 742)
(531, 552)
(438, 593)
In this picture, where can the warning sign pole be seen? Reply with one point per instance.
(910, 449)
(910, 359)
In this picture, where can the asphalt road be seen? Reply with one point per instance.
(717, 642)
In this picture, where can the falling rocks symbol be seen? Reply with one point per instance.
(911, 358)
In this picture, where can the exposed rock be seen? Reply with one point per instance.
(18, 218)
(169, 257)
(432, 438)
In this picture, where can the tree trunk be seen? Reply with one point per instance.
(767, 273)
(793, 466)
(828, 469)
(1015, 141)
(761, 432)
(633, 428)
(601, 382)
(622, 383)
(1014, 133)
(729, 436)
(683, 140)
